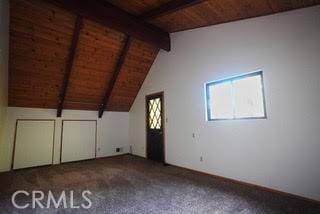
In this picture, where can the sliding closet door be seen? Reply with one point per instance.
(33, 143)
(78, 140)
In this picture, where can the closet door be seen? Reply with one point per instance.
(34, 142)
(78, 140)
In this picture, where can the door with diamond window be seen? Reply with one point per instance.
(154, 123)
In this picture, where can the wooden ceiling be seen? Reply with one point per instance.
(66, 58)
(199, 13)
(40, 38)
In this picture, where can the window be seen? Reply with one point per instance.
(240, 97)
(155, 113)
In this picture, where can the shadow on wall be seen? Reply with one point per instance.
(4, 47)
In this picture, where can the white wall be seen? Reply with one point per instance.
(281, 152)
(112, 130)
(4, 45)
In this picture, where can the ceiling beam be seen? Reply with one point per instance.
(115, 75)
(72, 51)
(113, 17)
(169, 7)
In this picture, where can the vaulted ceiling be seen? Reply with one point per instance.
(95, 54)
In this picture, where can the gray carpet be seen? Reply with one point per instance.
(128, 184)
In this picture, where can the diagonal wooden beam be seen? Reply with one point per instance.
(115, 75)
(170, 7)
(111, 16)
(72, 51)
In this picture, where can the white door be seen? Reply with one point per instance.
(78, 140)
(33, 144)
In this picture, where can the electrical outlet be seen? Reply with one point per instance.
(201, 159)
(193, 135)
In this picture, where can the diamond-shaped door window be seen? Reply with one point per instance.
(155, 113)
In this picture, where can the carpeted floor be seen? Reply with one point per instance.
(128, 184)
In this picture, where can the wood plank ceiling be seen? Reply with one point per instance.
(40, 39)
(41, 36)
(200, 13)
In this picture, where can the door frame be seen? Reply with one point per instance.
(15, 139)
(161, 93)
(95, 143)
